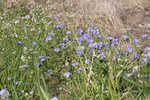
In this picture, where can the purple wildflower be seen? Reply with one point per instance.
(94, 32)
(99, 36)
(42, 58)
(19, 42)
(114, 42)
(109, 38)
(91, 50)
(124, 52)
(91, 25)
(69, 32)
(68, 42)
(107, 44)
(9, 78)
(148, 55)
(38, 64)
(89, 36)
(62, 25)
(90, 29)
(93, 45)
(65, 38)
(23, 67)
(100, 45)
(49, 72)
(130, 50)
(135, 70)
(62, 45)
(118, 54)
(135, 41)
(127, 75)
(79, 53)
(90, 41)
(84, 36)
(56, 49)
(67, 64)
(97, 31)
(103, 56)
(54, 18)
(125, 37)
(75, 64)
(79, 70)
(67, 74)
(135, 56)
(4, 94)
(54, 98)
(80, 39)
(57, 26)
(144, 36)
(17, 82)
(47, 39)
(87, 61)
(52, 33)
(145, 60)
(34, 43)
(80, 47)
(80, 31)
(39, 31)
(147, 49)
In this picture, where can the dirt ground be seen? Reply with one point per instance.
(117, 16)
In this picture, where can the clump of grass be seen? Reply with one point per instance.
(43, 58)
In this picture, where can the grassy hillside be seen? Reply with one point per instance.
(43, 57)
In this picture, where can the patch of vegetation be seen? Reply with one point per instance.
(42, 58)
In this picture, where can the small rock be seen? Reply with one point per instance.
(148, 25)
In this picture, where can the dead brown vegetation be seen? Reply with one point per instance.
(118, 16)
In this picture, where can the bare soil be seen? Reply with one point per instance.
(117, 16)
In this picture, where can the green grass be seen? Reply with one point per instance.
(100, 79)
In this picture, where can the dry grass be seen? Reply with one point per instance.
(118, 16)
